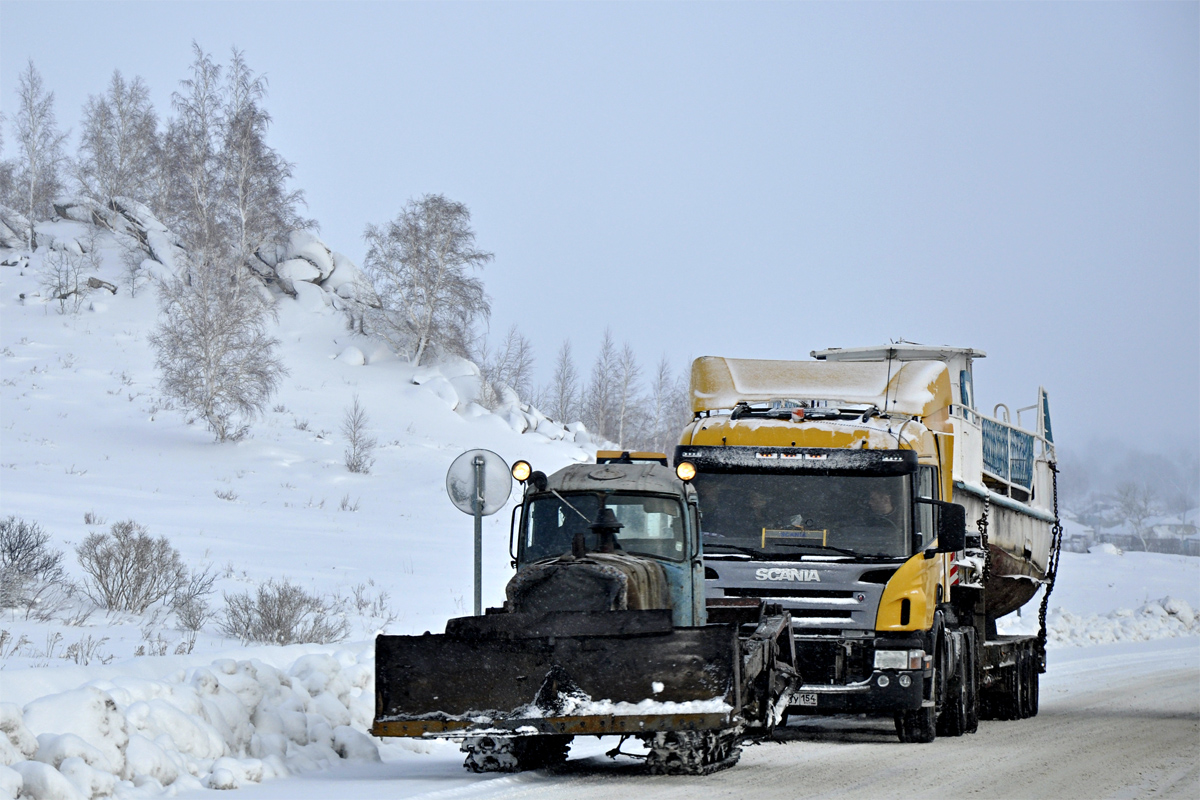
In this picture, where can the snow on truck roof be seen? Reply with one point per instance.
(916, 388)
(636, 477)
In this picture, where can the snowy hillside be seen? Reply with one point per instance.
(86, 440)
(85, 432)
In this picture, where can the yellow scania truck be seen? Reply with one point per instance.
(865, 493)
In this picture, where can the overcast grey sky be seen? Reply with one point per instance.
(755, 180)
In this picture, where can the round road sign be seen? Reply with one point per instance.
(493, 475)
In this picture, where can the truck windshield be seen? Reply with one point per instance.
(771, 515)
(652, 525)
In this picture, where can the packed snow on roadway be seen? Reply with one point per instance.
(96, 704)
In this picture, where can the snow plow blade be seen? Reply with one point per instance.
(557, 672)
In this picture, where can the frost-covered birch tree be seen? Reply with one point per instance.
(1136, 503)
(509, 366)
(260, 206)
(7, 170)
(40, 156)
(212, 347)
(420, 270)
(192, 160)
(119, 143)
(562, 396)
(666, 408)
(600, 397)
(627, 392)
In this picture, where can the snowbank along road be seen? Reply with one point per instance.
(1119, 721)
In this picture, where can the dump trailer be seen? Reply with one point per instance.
(605, 630)
(840, 489)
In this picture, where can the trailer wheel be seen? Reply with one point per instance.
(1015, 701)
(1029, 685)
(1034, 689)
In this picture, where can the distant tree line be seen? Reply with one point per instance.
(208, 173)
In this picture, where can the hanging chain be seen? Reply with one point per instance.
(982, 524)
(1056, 534)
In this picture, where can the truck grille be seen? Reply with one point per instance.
(815, 594)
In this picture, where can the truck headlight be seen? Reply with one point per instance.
(891, 659)
(899, 659)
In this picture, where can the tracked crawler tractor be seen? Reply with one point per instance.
(604, 631)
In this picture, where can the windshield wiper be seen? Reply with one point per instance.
(750, 551)
(843, 550)
(817, 546)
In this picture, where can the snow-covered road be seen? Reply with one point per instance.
(1120, 720)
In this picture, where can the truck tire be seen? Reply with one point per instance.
(953, 719)
(971, 675)
(920, 725)
(1034, 689)
(1015, 705)
(1029, 685)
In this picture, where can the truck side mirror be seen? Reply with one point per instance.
(952, 527)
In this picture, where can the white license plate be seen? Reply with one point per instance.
(806, 699)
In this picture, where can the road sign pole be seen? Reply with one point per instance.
(478, 463)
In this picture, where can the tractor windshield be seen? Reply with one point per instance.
(783, 515)
(651, 525)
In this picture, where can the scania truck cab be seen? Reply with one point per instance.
(840, 489)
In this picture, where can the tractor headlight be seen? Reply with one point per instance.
(686, 470)
(521, 471)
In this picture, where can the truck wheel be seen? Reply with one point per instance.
(971, 676)
(953, 719)
(918, 725)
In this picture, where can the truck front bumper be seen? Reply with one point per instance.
(883, 692)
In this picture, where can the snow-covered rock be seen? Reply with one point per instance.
(352, 356)
(10, 783)
(306, 246)
(18, 742)
(14, 228)
(293, 270)
(89, 714)
(344, 278)
(43, 782)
